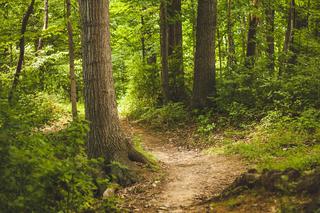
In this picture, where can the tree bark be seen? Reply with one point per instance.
(175, 55)
(194, 24)
(45, 22)
(73, 84)
(164, 50)
(204, 72)
(231, 49)
(105, 138)
(288, 42)
(270, 15)
(220, 53)
(143, 45)
(290, 25)
(22, 50)
(251, 42)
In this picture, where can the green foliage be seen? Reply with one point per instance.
(138, 146)
(282, 142)
(205, 125)
(168, 116)
(44, 171)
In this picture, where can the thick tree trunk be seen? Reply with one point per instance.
(22, 50)
(105, 138)
(175, 55)
(204, 73)
(73, 84)
(252, 34)
(45, 22)
(164, 50)
(231, 49)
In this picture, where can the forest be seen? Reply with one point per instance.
(160, 106)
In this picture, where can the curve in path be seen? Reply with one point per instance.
(190, 176)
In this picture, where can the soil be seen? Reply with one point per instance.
(187, 178)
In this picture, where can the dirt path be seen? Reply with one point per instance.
(189, 178)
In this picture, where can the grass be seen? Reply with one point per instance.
(275, 143)
(279, 149)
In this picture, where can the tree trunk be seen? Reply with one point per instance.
(220, 53)
(231, 49)
(164, 50)
(252, 34)
(290, 25)
(194, 24)
(105, 138)
(204, 72)
(45, 22)
(22, 50)
(288, 42)
(243, 37)
(143, 45)
(270, 15)
(175, 55)
(73, 84)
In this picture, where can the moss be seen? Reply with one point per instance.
(138, 146)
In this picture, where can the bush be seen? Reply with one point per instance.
(283, 141)
(44, 172)
(205, 124)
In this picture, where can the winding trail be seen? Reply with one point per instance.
(189, 177)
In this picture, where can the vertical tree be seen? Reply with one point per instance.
(288, 42)
(231, 46)
(251, 39)
(204, 71)
(149, 56)
(270, 15)
(73, 84)
(175, 54)
(22, 50)
(164, 50)
(105, 138)
(45, 22)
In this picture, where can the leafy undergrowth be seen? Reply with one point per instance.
(260, 201)
(276, 143)
(285, 150)
(281, 142)
(47, 171)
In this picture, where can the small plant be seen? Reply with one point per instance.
(205, 124)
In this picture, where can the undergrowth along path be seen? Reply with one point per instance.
(188, 178)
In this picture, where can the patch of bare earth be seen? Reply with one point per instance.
(187, 177)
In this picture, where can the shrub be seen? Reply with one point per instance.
(283, 141)
(44, 172)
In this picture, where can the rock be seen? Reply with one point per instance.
(249, 180)
(314, 205)
(292, 174)
(253, 171)
(270, 179)
(310, 183)
(109, 192)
